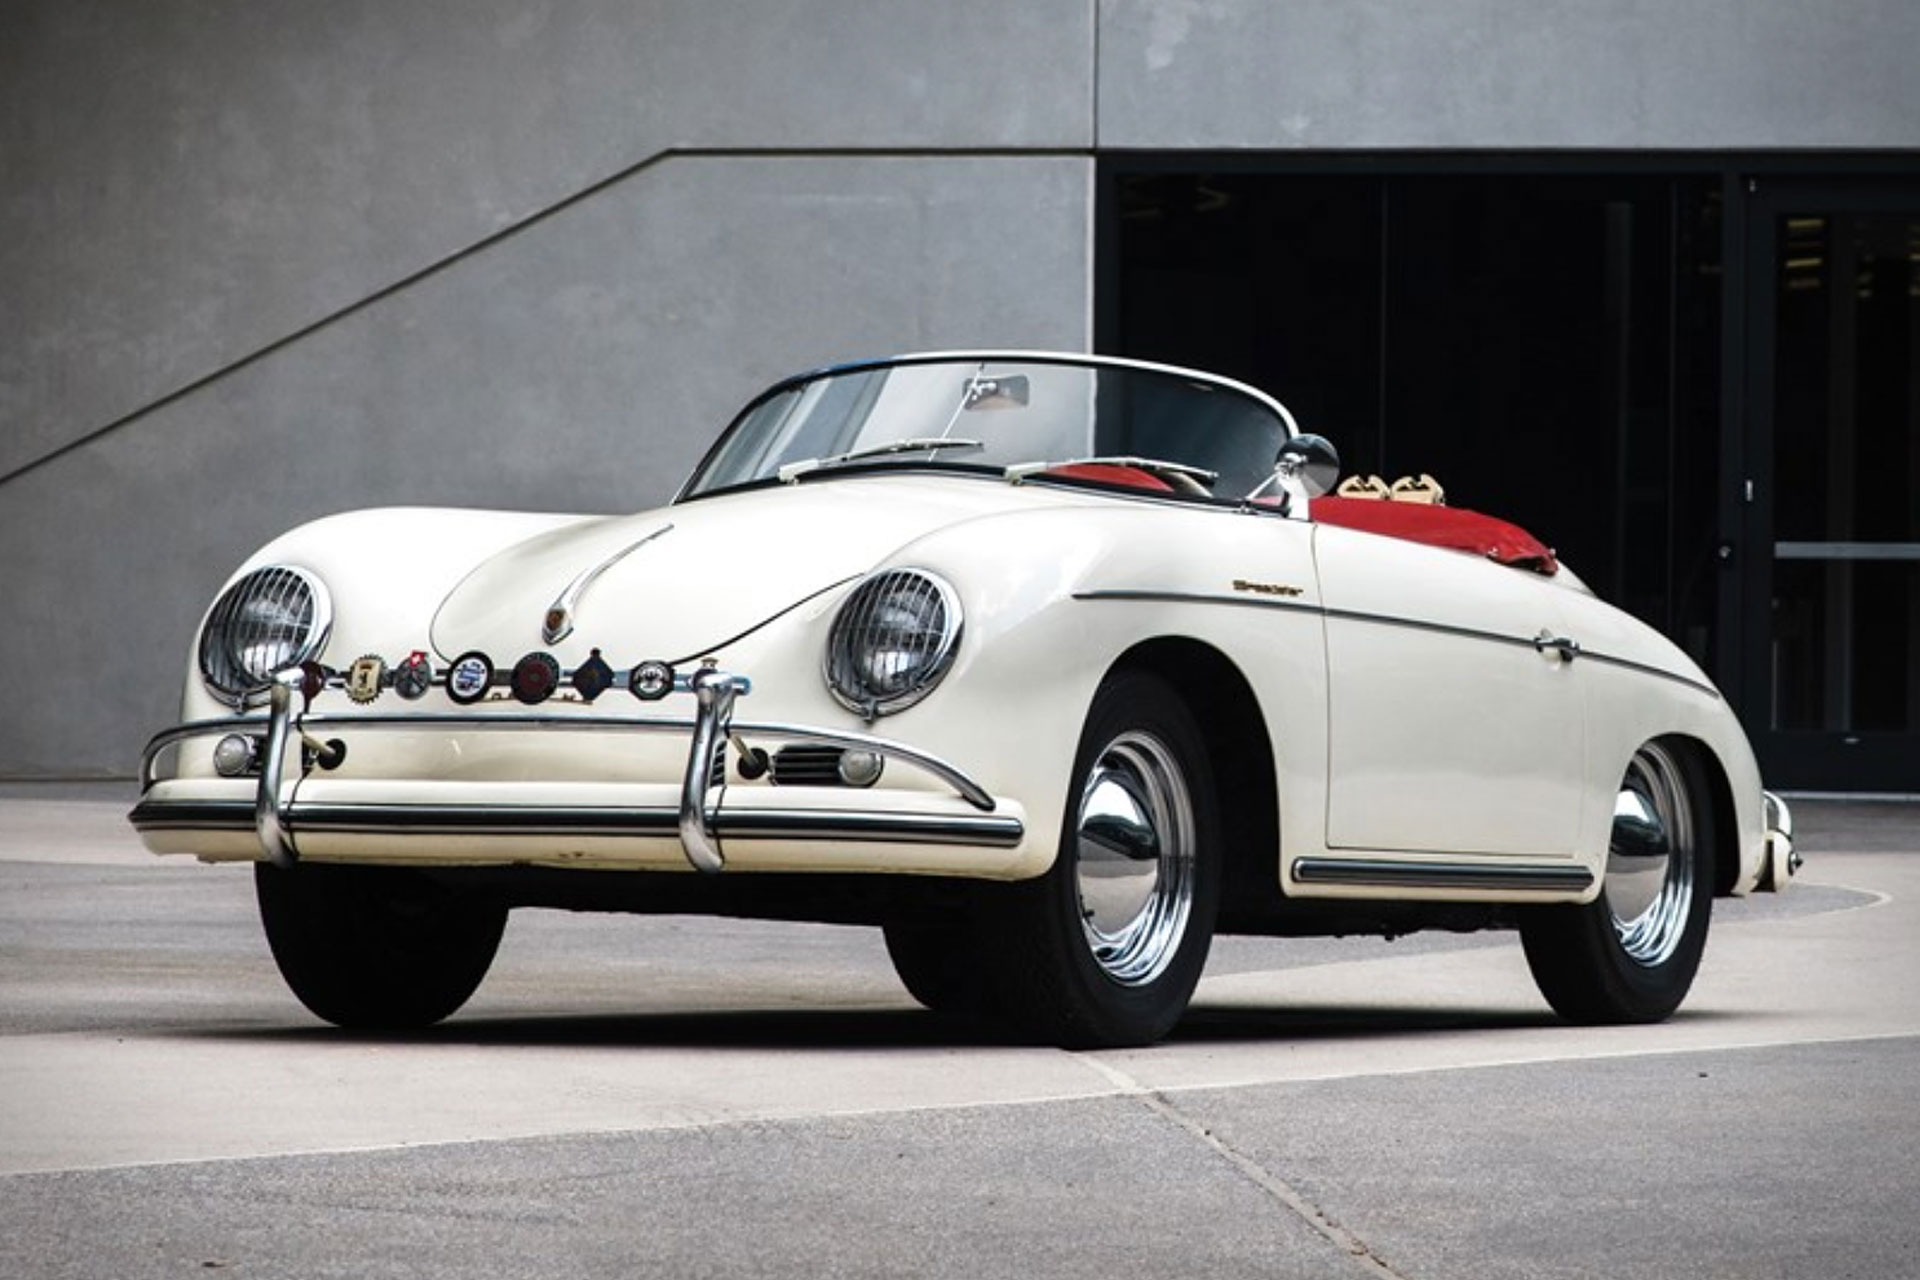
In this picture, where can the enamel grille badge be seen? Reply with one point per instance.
(469, 678)
(535, 677)
(593, 678)
(366, 678)
(414, 676)
(651, 681)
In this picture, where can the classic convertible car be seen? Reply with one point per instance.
(1052, 667)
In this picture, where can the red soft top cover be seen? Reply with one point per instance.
(1453, 527)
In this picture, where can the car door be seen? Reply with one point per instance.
(1455, 721)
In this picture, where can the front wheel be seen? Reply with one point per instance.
(1106, 948)
(938, 962)
(376, 948)
(1630, 955)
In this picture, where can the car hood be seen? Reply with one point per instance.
(677, 582)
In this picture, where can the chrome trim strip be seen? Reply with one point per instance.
(997, 831)
(561, 610)
(1200, 597)
(1442, 875)
(1389, 620)
(1628, 664)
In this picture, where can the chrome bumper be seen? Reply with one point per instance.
(292, 750)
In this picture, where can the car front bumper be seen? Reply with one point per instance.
(293, 809)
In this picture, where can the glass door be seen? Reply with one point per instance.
(1831, 592)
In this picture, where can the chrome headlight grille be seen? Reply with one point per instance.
(892, 640)
(268, 620)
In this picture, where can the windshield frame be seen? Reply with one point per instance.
(789, 384)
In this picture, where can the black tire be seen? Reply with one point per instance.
(939, 964)
(376, 948)
(1630, 955)
(1101, 951)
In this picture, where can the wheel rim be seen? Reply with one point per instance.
(1133, 858)
(1650, 859)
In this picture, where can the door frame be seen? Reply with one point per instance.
(1816, 760)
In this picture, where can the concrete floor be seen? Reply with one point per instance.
(681, 1097)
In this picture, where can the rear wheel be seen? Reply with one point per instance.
(1630, 955)
(376, 948)
(1106, 948)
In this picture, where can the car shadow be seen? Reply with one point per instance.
(894, 1028)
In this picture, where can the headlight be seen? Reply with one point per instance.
(892, 641)
(268, 620)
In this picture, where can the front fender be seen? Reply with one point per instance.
(386, 569)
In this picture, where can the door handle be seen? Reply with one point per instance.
(1566, 648)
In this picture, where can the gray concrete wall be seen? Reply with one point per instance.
(1492, 74)
(264, 259)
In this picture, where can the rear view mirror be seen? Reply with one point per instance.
(1010, 392)
(1311, 462)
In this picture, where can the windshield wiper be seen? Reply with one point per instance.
(1186, 479)
(794, 470)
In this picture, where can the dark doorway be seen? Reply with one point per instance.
(1548, 346)
(1830, 601)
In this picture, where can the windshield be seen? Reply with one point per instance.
(991, 414)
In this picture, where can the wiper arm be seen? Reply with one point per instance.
(794, 470)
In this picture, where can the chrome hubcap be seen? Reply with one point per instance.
(1649, 887)
(1133, 858)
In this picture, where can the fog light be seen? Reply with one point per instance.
(860, 768)
(234, 756)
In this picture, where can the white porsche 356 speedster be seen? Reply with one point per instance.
(1052, 667)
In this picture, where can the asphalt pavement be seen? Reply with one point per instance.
(688, 1097)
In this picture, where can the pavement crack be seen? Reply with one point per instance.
(1275, 1186)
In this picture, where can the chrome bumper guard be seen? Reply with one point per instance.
(1782, 859)
(283, 764)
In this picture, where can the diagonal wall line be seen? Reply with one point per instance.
(488, 242)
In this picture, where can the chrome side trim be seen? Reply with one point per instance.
(1442, 875)
(1561, 643)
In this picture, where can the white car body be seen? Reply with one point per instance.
(1432, 727)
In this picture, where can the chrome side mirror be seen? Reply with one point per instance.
(1310, 462)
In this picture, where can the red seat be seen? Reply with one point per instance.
(1108, 473)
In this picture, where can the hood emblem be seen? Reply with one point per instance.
(558, 624)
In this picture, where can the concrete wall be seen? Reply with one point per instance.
(264, 259)
(1491, 74)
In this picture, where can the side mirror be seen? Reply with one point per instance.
(1310, 462)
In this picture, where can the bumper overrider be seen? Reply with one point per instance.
(295, 745)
